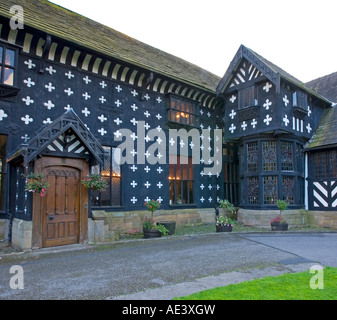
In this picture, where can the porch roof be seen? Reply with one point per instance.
(49, 133)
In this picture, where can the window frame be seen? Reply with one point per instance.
(174, 112)
(113, 175)
(286, 182)
(3, 65)
(3, 175)
(177, 179)
(250, 100)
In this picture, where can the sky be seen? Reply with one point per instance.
(299, 36)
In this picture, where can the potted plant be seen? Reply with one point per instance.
(228, 208)
(224, 224)
(37, 183)
(169, 225)
(94, 182)
(278, 223)
(151, 229)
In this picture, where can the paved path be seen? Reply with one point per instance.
(162, 268)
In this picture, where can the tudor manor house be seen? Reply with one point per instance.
(69, 87)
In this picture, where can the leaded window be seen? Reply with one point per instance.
(111, 196)
(253, 190)
(248, 97)
(325, 165)
(181, 181)
(183, 112)
(270, 189)
(252, 156)
(287, 156)
(288, 189)
(269, 156)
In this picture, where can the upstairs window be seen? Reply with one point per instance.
(7, 66)
(183, 112)
(300, 100)
(248, 97)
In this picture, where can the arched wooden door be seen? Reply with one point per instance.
(63, 213)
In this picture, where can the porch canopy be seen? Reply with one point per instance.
(66, 136)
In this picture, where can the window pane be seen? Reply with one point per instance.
(172, 192)
(3, 140)
(116, 160)
(252, 156)
(10, 58)
(105, 195)
(269, 157)
(9, 76)
(115, 191)
(185, 171)
(288, 189)
(1, 53)
(185, 192)
(182, 111)
(191, 198)
(287, 156)
(253, 190)
(178, 192)
(270, 190)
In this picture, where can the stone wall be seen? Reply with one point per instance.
(4, 230)
(107, 226)
(324, 219)
(22, 234)
(295, 218)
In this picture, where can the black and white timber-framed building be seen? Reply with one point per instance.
(70, 88)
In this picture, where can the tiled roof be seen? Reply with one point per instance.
(65, 24)
(326, 133)
(326, 86)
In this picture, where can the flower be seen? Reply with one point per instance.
(278, 219)
(152, 205)
(94, 182)
(149, 224)
(224, 221)
(37, 183)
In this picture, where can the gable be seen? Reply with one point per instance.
(65, 136)
(67, 143)
(255, 66)
(245, 72)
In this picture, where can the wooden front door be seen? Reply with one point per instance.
(64, 211)
(62, 206)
